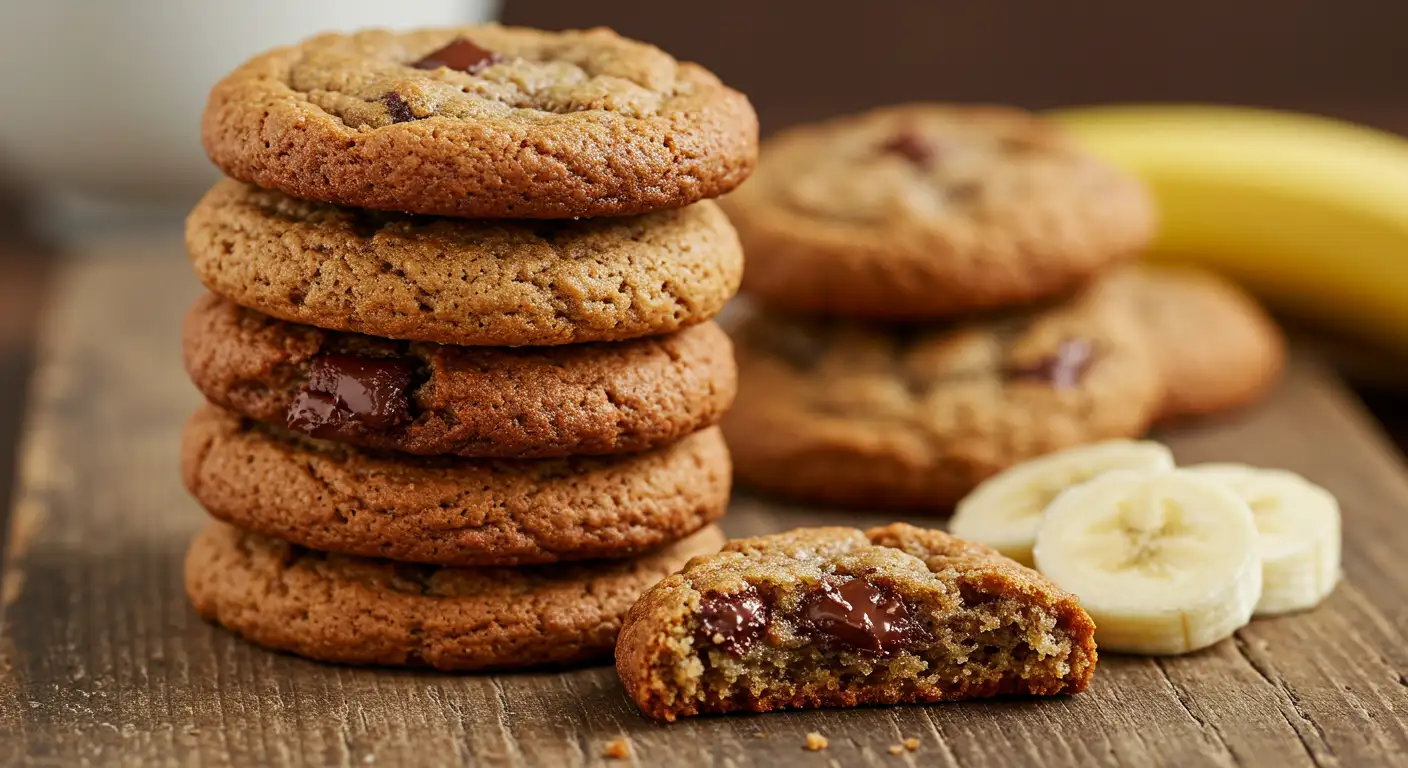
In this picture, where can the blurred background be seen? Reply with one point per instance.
(102, 99)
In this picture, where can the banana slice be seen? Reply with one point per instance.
(1004, 511)
(1164, 562)
(1299, 527)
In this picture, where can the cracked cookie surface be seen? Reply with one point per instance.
(529, 402)
(926, 211)
(448, 510)
(843, 617)
(355, 610)
(913, 417)
(482, 122)
(473, 283)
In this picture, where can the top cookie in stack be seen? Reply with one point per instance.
(947, 295)
(423, 343)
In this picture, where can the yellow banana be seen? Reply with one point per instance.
(1309, 213)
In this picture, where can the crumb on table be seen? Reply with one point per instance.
(896, 749)
(617, 749)
(911, 743)
(816, 742)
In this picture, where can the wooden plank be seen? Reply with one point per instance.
(103, 662)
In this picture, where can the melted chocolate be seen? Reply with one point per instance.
(397, 107)
(862, 615)
(346, 393)
(462, 54)
(1062, 370)
(732, 622)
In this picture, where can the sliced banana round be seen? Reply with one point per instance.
(1164, 562)
(1005, 510)
(1299, 527)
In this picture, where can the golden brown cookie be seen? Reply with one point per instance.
(482, 122)
(822, 617)
(355, 610)
(448, 510)
(526, 402)
(927, 211)
(913, 417)
(1217, 348)
(475, 283)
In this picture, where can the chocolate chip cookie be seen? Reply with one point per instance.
(356, 610)
(914, 417)
(926, 211)
(839, 617)
(476, 283)
(429, 399)
(482, 122)
(447, 510)
(1216, 347)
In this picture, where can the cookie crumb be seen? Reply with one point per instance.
(911, 744)
(617, 749)
(897, 749)
(816, 742)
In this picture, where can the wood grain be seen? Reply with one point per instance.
(103, 663)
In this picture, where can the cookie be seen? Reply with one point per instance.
(355, 610)
(826, 617)
(476, 283)
(482, 122)
(927, 211)
(913, 417)
(447, 510)
(527, 402)
(1217, 348)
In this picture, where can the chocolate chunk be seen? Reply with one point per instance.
(912, 147)
(397, 107)
(862, 615)
(348, 392)
(1062, 370)
(461, 54)
(733, 622)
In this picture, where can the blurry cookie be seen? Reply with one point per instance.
(356, 610)
(482, 122)
(915, 416)
(447, 510)
(1216, 347)
(786, 621)
(476, 283)
(927, 211)
(427, 399)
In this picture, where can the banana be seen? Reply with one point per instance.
(1005, 510)
(1299, 527)
(1310, 214)
(1164, 562)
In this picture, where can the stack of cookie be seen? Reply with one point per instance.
(946, 294)
(453, 420)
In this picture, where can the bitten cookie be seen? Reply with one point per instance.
(1216, 347)
(355, 610)
(446, 510)
(839, 617)
(428, 399)
(926, 211)
(482, 122)
(914, 417)
(476, 283)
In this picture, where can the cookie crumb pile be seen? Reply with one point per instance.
(944, 292)
(462, 376)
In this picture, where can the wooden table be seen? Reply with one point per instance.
(102, 662)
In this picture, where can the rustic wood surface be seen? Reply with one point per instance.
(101, 661)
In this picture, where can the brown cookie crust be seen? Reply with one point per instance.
(530, 402)
(925, 211)
(446, 510)
(914, 417)
(988, 627)
(567, 124)
(355, 610)
(473, 283)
